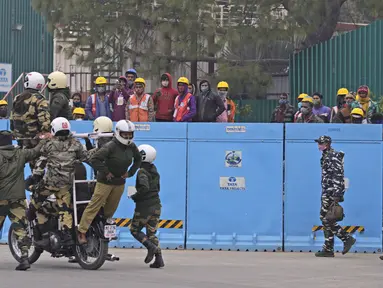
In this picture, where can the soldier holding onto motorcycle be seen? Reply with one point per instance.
(12, 193)
(59, 157)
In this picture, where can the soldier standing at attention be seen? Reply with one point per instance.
(148, 206)
(333, 188)
(30, 114)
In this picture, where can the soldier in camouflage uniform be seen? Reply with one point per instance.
(30, 113)
(59, 155)
(12, 193)
(148, 206)
(60, 95)
(333, 188)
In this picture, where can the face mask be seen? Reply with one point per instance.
(3, 112)
(305, 110)
(356, 120)
(316, 102)
(300, 105)
(283, 101)
(79, 119)
(76, 104)
(322, 147)
(101, 89)
(349, 102)
(204, 88)
(222, 94)
(165, 83)
(130, 83)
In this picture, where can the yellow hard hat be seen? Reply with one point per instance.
(308, 99)
(223, 84)
(101, 81)
(140, 80)
(3, 102)
(303, 95)
(183, 80)
(357, 111)
(342, 91)
(79, 110)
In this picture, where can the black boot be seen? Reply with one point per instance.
(24, 263)
(324, 253)
(152, 250)
(66, 237)
(158, 263)
(348, 244)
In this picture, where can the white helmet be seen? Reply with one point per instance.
(34, 80)
(57, 80)
(148, 153)
(124, 126)
(103, 125)
(60, 124)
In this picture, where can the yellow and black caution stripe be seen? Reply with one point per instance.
(348, 229)
(168, 224)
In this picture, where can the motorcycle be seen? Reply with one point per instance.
(99, 234)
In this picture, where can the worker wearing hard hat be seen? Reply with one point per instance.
(340, 101)
(78, 114)
(307, 115)
(98, 103)
(140, 106)
(3, 109)
(357, 116)
(299, 100)
(185, 103)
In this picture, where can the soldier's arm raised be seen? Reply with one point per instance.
(31, 154)
(43, 115)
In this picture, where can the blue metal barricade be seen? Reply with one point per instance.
(169, 139)
(362, 145)
(234, 198)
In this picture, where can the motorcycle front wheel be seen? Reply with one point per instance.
(33, 253)
(92, 255)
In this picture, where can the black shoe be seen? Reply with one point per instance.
(158, 263)
(152, 250)
(348, 244)
(325, 253)
(381, 257)
(66, 238)
(24, 264)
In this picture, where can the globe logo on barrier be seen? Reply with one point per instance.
(232, 179)
(233, 159)
(3, 72)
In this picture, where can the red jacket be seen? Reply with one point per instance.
(163, 99)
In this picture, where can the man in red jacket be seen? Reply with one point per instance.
(164, 98)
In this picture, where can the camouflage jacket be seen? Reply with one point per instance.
(147, 186)
(30, 115)
(332, 163)
(286, 114)
(59, 156)
(312, 119)
(59, 105)
(12, 162)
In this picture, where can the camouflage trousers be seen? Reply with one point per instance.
(107, 196)
(16, 211)
(63, 200)
(148, 218)
(29, 144)
(330, 228)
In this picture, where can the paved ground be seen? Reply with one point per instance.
(201, 269)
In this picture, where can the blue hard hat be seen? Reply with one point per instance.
(131, 71)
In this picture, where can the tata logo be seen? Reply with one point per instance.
(232, 182)
(3, 72)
